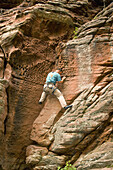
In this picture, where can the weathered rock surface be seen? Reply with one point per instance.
(87, 61)
(28, 43)
(102, 156)
(35, 37)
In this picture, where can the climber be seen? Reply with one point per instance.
(49, 88)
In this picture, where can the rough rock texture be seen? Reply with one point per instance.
(87, 63)
(35, 38)
(102, 156)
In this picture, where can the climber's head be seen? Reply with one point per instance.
(59, 70)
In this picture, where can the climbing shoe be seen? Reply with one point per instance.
(39, 102)
(68, 106)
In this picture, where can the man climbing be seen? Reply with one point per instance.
(49, 88)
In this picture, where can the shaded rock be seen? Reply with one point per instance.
(3, 115)
(101, 2)
(9, 4)
(3, 107)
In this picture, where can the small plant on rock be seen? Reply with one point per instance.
(68, 166)
(75, 32)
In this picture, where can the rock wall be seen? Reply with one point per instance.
(36, 37)
(82, 134)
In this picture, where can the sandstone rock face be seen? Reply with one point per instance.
(35, 38)
(28, 43)
(87, 63)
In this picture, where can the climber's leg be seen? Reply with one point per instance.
(43, 97)
(60, 97)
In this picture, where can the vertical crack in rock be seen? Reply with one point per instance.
(5, 121)
(4, 60)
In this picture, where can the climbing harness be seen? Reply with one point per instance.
(50, 86)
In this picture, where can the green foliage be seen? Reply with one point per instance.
(109, 166)
(68, 166)
(75, 32)
(95, 17)
(75, 37)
